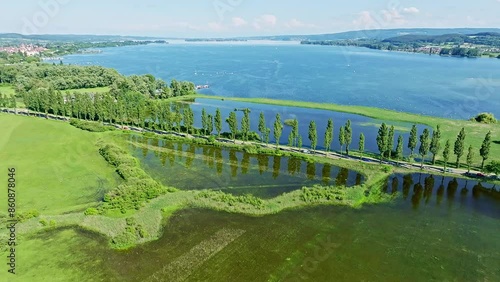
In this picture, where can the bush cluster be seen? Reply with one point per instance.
(138, 188)
(23, 216)
(231, 200)
(129, 237)
(487, 118)
(319, 193)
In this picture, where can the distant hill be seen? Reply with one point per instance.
(380, 34)
(72, 37)
(481, 38)
(374, 34)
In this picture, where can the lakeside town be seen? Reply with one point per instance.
(27, 49)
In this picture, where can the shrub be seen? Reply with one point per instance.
(27, 215)
(124, 240)
(130, 221)
(52, 223)
(139, 186)
(487, 118)
(231, 200)
(91, 211)
(90, 126)
(43, 222)
(318, 193)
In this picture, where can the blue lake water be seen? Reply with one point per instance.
(432, 85)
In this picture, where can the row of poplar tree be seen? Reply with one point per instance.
(134, 108)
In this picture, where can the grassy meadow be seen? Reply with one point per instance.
(58, 166)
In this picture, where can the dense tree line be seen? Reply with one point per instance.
(14, 58)
(28, 77)
(65, 48)
(416, 43)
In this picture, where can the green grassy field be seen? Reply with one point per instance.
(449, 127)
(58, 166)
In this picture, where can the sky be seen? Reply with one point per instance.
(226, 18)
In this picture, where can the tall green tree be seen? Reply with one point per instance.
(446, 154)
(435, 143)
(262, 125)
(232, 121)
(382, 135)
(390, 141)
(361, 147)
(485, 149)
(295, 131)
(290, 139)
(210, 125)
(267, 133)
(470, 158)
(278, 129)
(313, 136)
(412, 141)
(218, 122)
(299, 141)
(189, 119)
(204, 120)
(341, 138)
(424, 146)
(459, 146)
(245, 124)
(399, 148)
(177, 116)
(329, 135)
(347, 136)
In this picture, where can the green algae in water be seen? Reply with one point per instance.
(195, 167)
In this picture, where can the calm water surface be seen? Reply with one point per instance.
(417, 83)
(195, 167)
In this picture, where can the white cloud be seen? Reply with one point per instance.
(294, 23)
(364, 19)
(412, 10)
(265, 21)
(237, 22)
(384, 18)
(393, 16)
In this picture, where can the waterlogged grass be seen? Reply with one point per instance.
(62, 255)
(449, 127)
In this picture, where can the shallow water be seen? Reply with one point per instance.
(391, 242)
(444, 194)
(195, 167)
